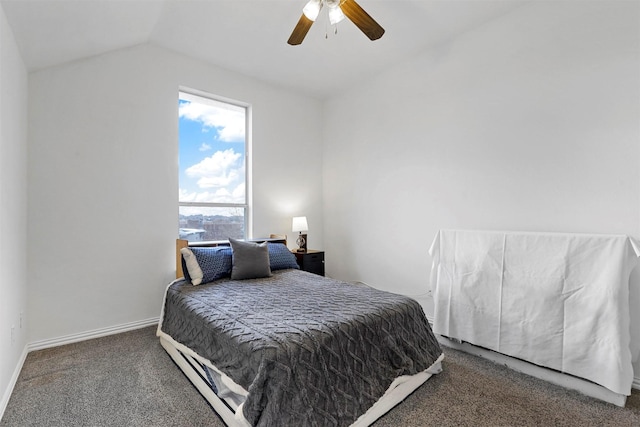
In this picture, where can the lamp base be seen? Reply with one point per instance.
(301, 241)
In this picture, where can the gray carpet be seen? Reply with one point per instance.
(129, 380)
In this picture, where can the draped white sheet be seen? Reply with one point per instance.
(554, 299)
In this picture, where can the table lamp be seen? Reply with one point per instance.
(300, 224)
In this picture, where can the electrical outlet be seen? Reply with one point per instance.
(13, 334)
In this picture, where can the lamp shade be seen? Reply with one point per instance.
(299, 224)
(312, 9)
(335, 15)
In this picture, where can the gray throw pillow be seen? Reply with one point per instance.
(250, 260)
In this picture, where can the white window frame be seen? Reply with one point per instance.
(248, 211)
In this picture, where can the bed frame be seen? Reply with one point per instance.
(196, 374)
(192, 365)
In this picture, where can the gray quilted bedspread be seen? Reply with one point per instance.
(309, 350)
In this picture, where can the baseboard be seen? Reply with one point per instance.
(96, 333)
(14, 378)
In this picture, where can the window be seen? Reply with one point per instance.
(212, 200)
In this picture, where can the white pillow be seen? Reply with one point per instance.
(195, 272)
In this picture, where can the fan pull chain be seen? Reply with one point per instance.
(326, 31)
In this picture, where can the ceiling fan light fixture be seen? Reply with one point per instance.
(312, 9)
(337, 11)
(335, 15)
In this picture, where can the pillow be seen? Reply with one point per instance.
(204, 265)
(250, 260)
(280, 257)
(185, 270)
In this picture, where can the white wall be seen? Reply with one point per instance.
(103, 180)
(13, 208)
(529, 122)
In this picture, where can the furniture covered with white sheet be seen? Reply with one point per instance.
(557, 300)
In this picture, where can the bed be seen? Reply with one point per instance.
(292, 347)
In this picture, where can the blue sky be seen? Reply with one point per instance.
(212, 150)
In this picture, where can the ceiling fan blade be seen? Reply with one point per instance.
(361, 19)
(300, 31)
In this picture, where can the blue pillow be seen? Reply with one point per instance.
(280, 257)
(205, 265)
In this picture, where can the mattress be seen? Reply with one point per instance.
(302, 348)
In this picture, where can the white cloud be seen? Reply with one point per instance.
(218, 170)
(205, 147)
(221, 195)
(238, 192)
(220, 179)
(232, 132)
(230, 123)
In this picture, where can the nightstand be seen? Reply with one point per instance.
(311, 261)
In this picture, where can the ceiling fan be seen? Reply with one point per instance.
(338, 10)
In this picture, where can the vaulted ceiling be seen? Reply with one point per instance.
(247, 36)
